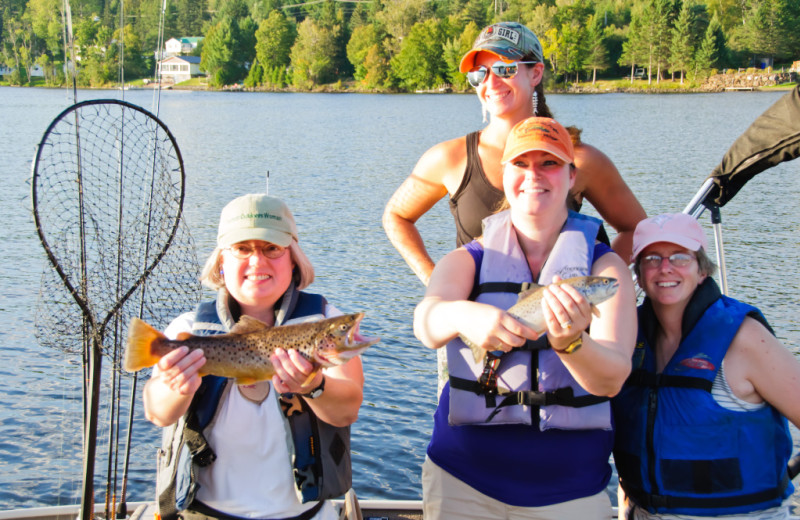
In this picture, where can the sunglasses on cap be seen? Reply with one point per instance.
(500, 68)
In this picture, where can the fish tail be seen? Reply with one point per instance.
(139, 353)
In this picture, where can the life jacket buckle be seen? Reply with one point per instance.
(204, 457)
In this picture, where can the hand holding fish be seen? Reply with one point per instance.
(293, 373)
(489, 328)
(567, 313)
(179, 370)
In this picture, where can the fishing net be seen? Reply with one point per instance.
(107, 191)
(108, 188)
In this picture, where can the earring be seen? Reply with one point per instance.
(535, 101)
(484, 111)
(221, 272)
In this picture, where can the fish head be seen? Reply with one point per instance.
(340, 341)
(597, 289)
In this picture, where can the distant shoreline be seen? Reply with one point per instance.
(326, 89)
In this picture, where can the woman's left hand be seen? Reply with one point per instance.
(293, 373)
(566, 312)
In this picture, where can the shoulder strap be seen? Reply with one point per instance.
(200, 413)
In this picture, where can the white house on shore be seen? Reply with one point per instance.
(176, 69)
(177, 46)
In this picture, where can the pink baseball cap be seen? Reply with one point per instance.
(675, 228)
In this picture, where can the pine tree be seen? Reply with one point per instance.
(682, 48)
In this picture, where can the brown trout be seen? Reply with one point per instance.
(528, 309)
(244, 352)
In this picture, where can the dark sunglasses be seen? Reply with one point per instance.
(501, 69)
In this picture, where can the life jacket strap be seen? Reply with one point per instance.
(561, 396)
(658, 503)
(642, 377)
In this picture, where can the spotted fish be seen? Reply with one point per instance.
(528, 309)
(244, 352)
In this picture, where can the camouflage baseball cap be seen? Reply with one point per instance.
(511, 41)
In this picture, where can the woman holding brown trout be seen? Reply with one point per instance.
(240, 466)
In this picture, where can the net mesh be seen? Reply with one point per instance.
(108, 187)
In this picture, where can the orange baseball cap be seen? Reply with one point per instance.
(539, 133)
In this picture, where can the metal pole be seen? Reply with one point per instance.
(716, 222)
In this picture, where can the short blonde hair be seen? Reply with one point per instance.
(303, 273)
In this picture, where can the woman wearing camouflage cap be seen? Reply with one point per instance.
(506, 68)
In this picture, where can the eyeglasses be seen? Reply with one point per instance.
(501, 69)
(676, 259)
(245, 251)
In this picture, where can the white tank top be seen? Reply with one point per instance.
(252, 475)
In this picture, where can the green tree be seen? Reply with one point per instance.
(255, 76)
(217, 58)
(419, 64)
(148, 20)
(313, 55)
(377, 67)
(769, 28)
(596, 52)
(476, 12)
(454, 49)
(706, 56)
(190, 15)
(634, 48)
(364, 38)
(135, 64)
(397, 17)
(274, 39)
(45, 16)
(682, 47)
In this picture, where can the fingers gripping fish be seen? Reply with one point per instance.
(244, 352)
(528, 309)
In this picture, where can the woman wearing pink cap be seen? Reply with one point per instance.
(701, 422)
(525, 431)
(506, 67)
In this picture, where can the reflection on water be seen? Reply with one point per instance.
(336, 159)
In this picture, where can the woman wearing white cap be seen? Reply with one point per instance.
(701, 423)
(240, 451)
(506, 67)
(525, 431)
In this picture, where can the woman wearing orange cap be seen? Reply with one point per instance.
(525, 431)
(506, 68)
(701, 423)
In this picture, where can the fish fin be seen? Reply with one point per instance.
(139, 352)
(246, 380)
(310, 377)
(248, 324)
(595, 310)
(183, 336)
(477, 353)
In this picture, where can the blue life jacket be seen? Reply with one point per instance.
(320, 453)
(678, 451)
(529, 385)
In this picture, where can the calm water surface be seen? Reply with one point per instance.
(336, 159)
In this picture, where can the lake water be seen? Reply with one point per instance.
(336, 159)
